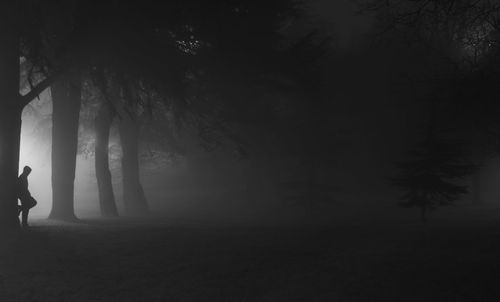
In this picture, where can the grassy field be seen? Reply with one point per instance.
(137, 261)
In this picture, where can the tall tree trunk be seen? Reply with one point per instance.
(103, 122)
(10, 114)
(10, 132)
(66, 100)
(133, 194)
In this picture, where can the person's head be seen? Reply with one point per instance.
(26, 170)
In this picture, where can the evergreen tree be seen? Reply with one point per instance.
(429, 177)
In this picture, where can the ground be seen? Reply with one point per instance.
(114, 260)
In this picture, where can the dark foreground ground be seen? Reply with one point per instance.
(132, 261)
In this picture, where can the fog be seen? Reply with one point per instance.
(212, 187)
(219, 188)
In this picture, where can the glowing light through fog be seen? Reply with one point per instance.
(36, 154)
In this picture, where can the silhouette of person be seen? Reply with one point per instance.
(24, 195)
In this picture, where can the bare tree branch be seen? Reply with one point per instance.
(39, 88)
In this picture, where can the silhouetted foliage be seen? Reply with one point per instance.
(429, 177)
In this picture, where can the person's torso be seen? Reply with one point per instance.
(22, 184)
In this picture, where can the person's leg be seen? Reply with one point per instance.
(25, 216)
(33, 202)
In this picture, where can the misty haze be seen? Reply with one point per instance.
(309, 150)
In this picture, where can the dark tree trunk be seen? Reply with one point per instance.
(10, 115)
(66, 100)
(10, 131)
(103, 122)
(133, 195)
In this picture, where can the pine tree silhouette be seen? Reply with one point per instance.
(428, 177)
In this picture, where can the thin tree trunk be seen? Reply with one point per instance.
(103, 122)
(66, 100)
(133, 194)
(10, 115)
